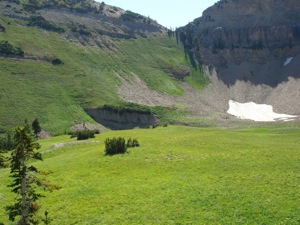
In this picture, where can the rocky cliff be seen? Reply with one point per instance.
(244, 30)
(251, 49)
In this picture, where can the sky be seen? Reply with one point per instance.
(169, 13)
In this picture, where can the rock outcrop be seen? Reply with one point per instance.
(122, 119)
(251, 49)
(89, 23)
(244, 30)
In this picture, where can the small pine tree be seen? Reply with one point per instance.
(115, 146)
(24, 178)
(36, 127)
(132, 143)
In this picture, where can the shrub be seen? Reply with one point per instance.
(115, 146)
(132, 143)
(7, 49)
(84, 135)
(56, 62)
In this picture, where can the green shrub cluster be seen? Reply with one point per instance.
(115, 146)
(7, 49)
(132, 143)
(84, 134)
(128, 107)
(56, 62)
(119, 145)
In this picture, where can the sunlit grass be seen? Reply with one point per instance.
(179, 175)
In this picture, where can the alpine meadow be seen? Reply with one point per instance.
(108, 117)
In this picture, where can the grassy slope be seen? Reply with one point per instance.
(57, 94)
(179, 175)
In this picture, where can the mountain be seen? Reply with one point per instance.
(251, 50)
(74, 64)
(69, 62)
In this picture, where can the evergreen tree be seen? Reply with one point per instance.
(24, 177)
(36, 127)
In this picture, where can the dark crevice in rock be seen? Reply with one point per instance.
(122, 120)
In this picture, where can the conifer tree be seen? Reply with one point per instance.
(36, 127)
(25, 179)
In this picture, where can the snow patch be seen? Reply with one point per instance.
(287, 61)
(256, 112)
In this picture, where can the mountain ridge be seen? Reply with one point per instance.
(77, 61)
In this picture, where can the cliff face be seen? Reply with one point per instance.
(244, 30)
(250, 49)
(121, 120)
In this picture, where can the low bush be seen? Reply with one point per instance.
(119, 145)
(115, 146)
(56, 62)
(84, 134)
(7, 49)
(132, 143)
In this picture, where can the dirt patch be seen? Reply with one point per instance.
(136, 90)
(60, 145)
(213, 101)
(88, 126)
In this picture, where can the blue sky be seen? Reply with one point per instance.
(169, 13)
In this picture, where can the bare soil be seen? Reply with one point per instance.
(213, 101)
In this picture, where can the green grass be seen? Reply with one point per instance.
(179, 175)
(56, 95)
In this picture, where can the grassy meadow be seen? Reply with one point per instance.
(179, 175)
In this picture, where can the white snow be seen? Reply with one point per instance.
(287, 61)
(256, 112)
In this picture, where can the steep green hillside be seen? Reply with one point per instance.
(179, 175)
(37, 85)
